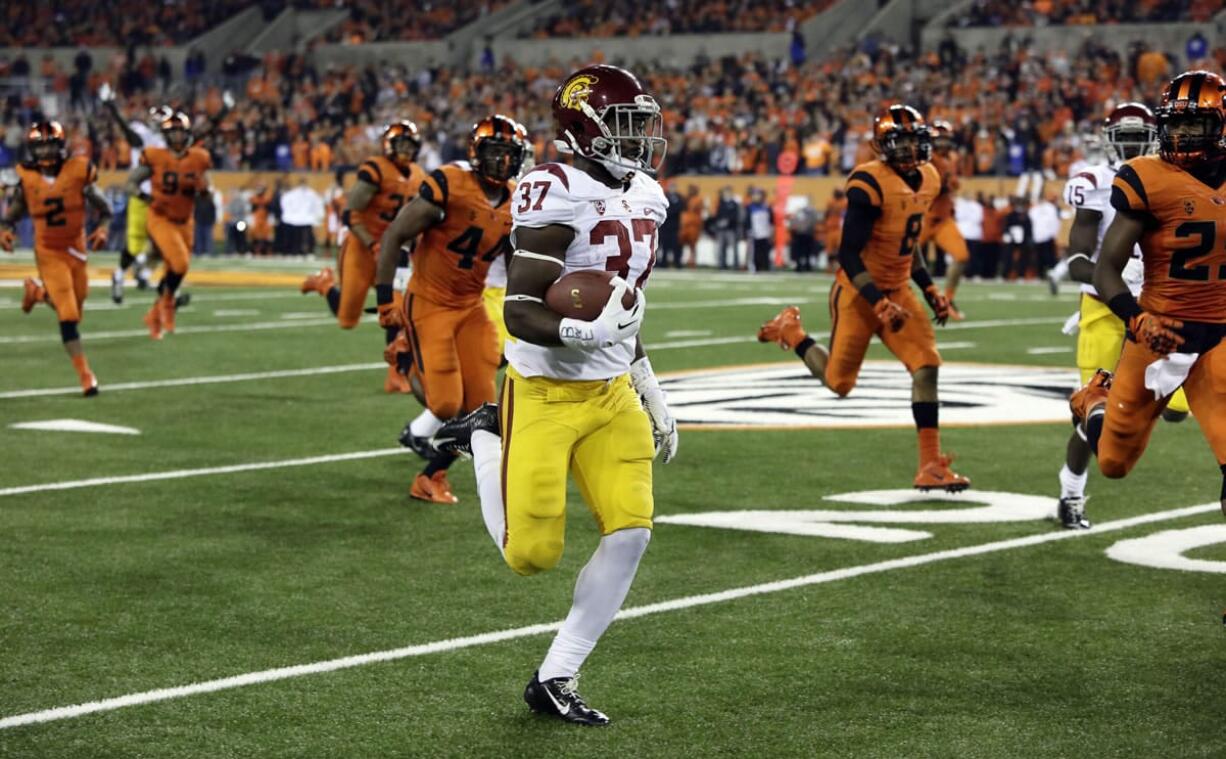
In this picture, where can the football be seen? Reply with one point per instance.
(583, 294)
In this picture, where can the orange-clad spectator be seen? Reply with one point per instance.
(260, 233)
(832, 226)
(321, 156)
(300, 153)
(691, 224)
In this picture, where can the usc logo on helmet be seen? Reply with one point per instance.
(576, 92)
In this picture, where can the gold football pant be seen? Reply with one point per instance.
(597, 431)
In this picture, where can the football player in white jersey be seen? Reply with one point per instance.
(579, 396)
(1130, 130)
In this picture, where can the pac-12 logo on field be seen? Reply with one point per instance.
(784, 395)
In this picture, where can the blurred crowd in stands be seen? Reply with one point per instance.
(636, 18)
(1052, 12)
(1014, 111)
(115, 23)
(404, 20)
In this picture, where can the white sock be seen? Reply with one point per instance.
(1060, 270)
(1072, 485)
(425, 425)
(599, 592)
(487, 465)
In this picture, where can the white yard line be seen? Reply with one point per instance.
(87, 336)
(677, 604)
(179, 474)
(1044, 350)
(182, 381)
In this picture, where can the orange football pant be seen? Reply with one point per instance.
(1132, 409)
(853, 325)
(357, 269)
(173, 239)
(65, 280)
(947, 237)
(455, 352)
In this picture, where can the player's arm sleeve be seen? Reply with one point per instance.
(1128, 194)
(370, 173)
(436, 189)
(864, 198)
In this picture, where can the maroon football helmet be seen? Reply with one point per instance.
(603, 114)
(1130, 130)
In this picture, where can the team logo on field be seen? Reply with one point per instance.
(784, 395)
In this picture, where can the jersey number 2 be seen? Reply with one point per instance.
(55, 212)
(1207, 232)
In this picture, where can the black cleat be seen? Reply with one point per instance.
(419, 445)
(558, 698)
(1072, 514)
(142, 280)
(182, 300)
(456, 436)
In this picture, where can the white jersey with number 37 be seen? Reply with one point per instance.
(616, 229)
(1090, 188)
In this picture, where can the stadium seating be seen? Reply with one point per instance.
(600, 18)
(113, 23)
(1048, 12)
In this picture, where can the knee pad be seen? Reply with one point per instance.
(68, 332)
(534, 558)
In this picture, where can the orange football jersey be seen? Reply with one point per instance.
(1184, 244)
(57, 204)
(395, 189)
(454, 255)
(897, 229)
(943, 206)
(176, 180)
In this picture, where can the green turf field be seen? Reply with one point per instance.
(1035, 643)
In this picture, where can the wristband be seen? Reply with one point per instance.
(871, 294)
(383, 294)
(922, 278)
(1125, 306)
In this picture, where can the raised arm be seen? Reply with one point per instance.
(135, 177)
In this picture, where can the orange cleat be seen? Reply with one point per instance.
(167, 313)
(1094, 394)
(153, 320)
(435, 488)
(32, 294)
(784, 330)
(936, 475)
(396, 382)
(89, 384)
(320, 282)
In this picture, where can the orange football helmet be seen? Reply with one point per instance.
(1192, 118)
(901, 138)
(177, 130)
(942, 136)
(401, 142)
(48, 145)
(496, 148)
